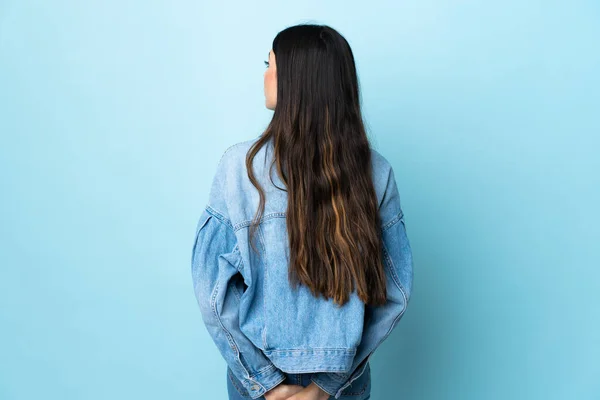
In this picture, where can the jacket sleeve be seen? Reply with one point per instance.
(216, 267)
(380, 320)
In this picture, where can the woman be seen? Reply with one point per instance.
(301, 274)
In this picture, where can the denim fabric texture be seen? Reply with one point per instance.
(360, 389)
(265, 330)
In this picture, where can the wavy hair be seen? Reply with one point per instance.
(323, 156)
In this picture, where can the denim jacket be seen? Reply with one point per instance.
(262, 327)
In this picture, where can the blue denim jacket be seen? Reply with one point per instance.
(262, 327)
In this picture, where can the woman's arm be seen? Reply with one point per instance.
(215, 265)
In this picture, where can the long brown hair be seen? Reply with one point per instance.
(323, 156)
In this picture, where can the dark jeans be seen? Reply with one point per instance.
(360, 389)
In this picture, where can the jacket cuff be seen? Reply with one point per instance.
(264, 380)
(330, 382)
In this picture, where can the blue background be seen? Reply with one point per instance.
(113, 117)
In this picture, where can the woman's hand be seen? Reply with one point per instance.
(282, 392)
(311, 392)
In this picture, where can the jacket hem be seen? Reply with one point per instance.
(313, 360)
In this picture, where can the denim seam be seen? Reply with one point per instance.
(263, 369)
(241, 390)
(261, 240)
(394, 275)
(310, 351)
(203, 223)
(220, 216)
(213, 304)
(232, 343)
(363, 388)
(265, 217)
(349, 379)
(391, 222)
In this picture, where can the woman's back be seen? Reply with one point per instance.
(248, 303)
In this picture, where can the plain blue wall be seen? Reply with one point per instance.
(114, 115)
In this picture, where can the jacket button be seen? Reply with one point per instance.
(254, 387)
